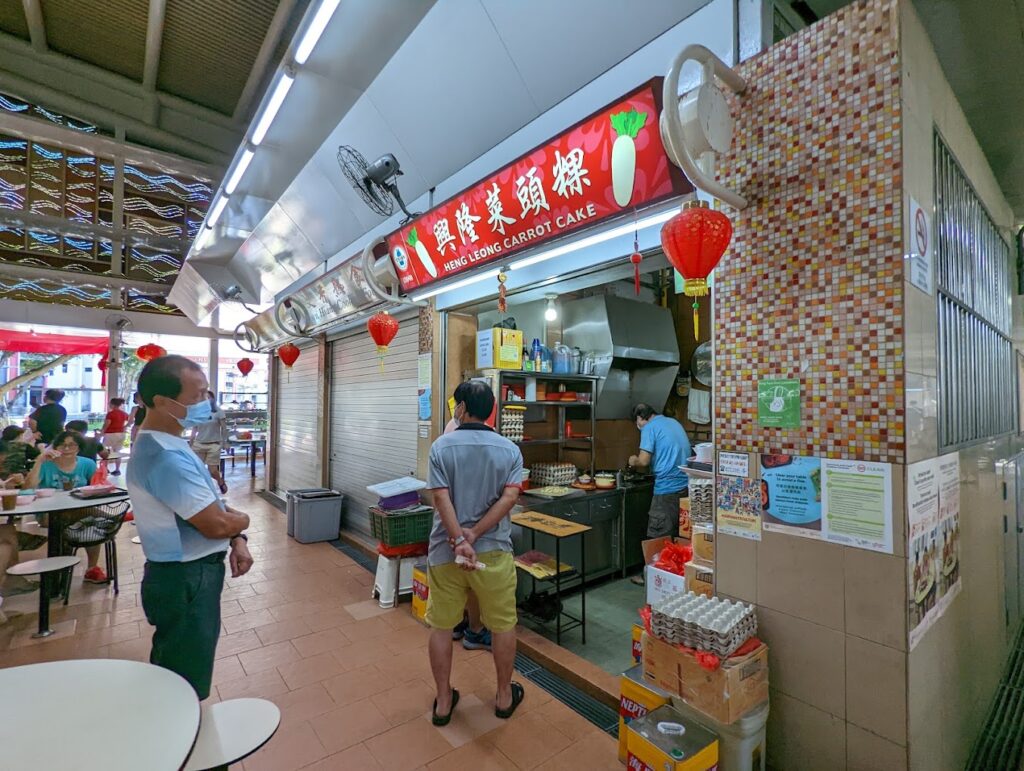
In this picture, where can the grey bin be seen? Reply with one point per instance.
(314, 514)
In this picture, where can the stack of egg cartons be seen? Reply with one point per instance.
(702, 500)
(512, 420)
(547, 474)
(704, 623)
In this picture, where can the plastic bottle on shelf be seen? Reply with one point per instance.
(535, 354)
(562, 360)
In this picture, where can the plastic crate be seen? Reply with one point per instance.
(399, 528)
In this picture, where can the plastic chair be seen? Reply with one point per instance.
(98, 528)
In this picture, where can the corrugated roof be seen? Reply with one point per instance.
(12, 19)
(209, 47)
(111, 35)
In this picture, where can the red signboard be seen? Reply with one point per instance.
(604, 166)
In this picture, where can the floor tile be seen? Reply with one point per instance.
(232, 644)
(471, 720)
(268, 657)
(595, 753)
(404, 702)
(303, 703)
(529, 741)
(291, 748)
(349, 725)
(310, 670)
(280, 631)
(354, 686)
(408, 746)
(478, 756)
(367, 609)
(356, 758)
(320, 642)
(259, 686)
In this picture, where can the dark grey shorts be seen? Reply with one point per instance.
(663, 517)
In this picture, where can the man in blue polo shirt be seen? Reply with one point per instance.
(185, 529)
(664, 447)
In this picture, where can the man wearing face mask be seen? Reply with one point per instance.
(185, 529)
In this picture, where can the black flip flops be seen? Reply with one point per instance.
(518, 694)
(443, 720)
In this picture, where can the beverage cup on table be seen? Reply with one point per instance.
(69, 484)
(8, 499)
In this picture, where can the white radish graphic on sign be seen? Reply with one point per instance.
(422, 253)
(627, 125)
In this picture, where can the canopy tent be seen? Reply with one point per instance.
(64, 345)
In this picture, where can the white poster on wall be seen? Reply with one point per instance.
(920, 250)
(856, 502)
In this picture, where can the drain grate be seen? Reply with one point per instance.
(273, 500)
(999, 746)
(580, 702)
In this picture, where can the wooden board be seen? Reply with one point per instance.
(544, 523)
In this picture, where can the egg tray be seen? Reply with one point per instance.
(560, 474)
(704, 623)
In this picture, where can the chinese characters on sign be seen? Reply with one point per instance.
(603, 167)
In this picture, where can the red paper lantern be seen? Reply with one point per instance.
(288, 354)
(245, 366)
(636, 259)
(694, 242)
(150, 351)
(382, 327)
(102, 366)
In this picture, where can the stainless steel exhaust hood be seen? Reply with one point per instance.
(635, 349)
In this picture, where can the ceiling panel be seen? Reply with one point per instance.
(108, 35)
(557, 48)
(325, 219)
(12, 19)
(209, 47)
(452, 91)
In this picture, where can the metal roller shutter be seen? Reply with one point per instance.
(295, 443)
(373, 417)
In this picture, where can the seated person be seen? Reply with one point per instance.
(16, 451)
(91, 447)
(61, 465)
(11, 585)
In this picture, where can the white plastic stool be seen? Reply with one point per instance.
(43, 568)
(232, 730)
(390, 582)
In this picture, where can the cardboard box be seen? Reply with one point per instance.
(499, 349)
(636, 699)
(703, 541)
(725, 694)
(660, 583)
(638, 650)
(700, 578)
(691, 748)
(420, 592)
(685, 523)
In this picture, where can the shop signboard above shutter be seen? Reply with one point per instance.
(373, 417)
(605, 166)
(295, 453)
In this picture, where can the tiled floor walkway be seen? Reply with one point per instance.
(352, 680)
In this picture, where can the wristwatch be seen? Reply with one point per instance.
(243, 536)
(458, 540)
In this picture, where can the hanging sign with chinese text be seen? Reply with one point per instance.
(605, 166)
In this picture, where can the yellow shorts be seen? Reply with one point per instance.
(494, 587)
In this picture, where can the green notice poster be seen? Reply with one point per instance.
(778, 403)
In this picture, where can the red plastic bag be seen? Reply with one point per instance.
(410, 550)
(673, 558)
(645, 617)
(100, 475)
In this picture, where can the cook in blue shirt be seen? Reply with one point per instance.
(664, 447)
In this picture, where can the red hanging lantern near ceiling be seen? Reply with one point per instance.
(382, 327)
(694, 242)
(102, 366)
(245, 366)
(288, 354)
(150, 351)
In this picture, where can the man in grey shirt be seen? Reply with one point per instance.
(208, 441)
(475, 476)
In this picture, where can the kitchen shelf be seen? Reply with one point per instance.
(547, 402)
(545, 375)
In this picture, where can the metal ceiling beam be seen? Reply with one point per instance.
(263, 58)
(58, 314)
(154, 42)
(74, 278)
(36, 129)
(36, 25)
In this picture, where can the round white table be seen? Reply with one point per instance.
(136, 716)
(43, 568)
(232, 730)
(55, 505)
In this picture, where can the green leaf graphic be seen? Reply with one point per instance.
(628, 123)
(413, 238)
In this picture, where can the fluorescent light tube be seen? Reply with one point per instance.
(239, 170)
(457, 284)
(216, 211)
(281, 88)
(315, 30)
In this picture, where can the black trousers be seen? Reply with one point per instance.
(182, 600)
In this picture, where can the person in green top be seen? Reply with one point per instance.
(61, 464)
(16, 455)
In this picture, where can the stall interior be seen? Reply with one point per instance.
(567, 362)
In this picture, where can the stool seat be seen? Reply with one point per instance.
(45, 565)
(231, 730)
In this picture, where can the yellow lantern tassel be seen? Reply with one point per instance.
(381, 350)
(696, 320)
